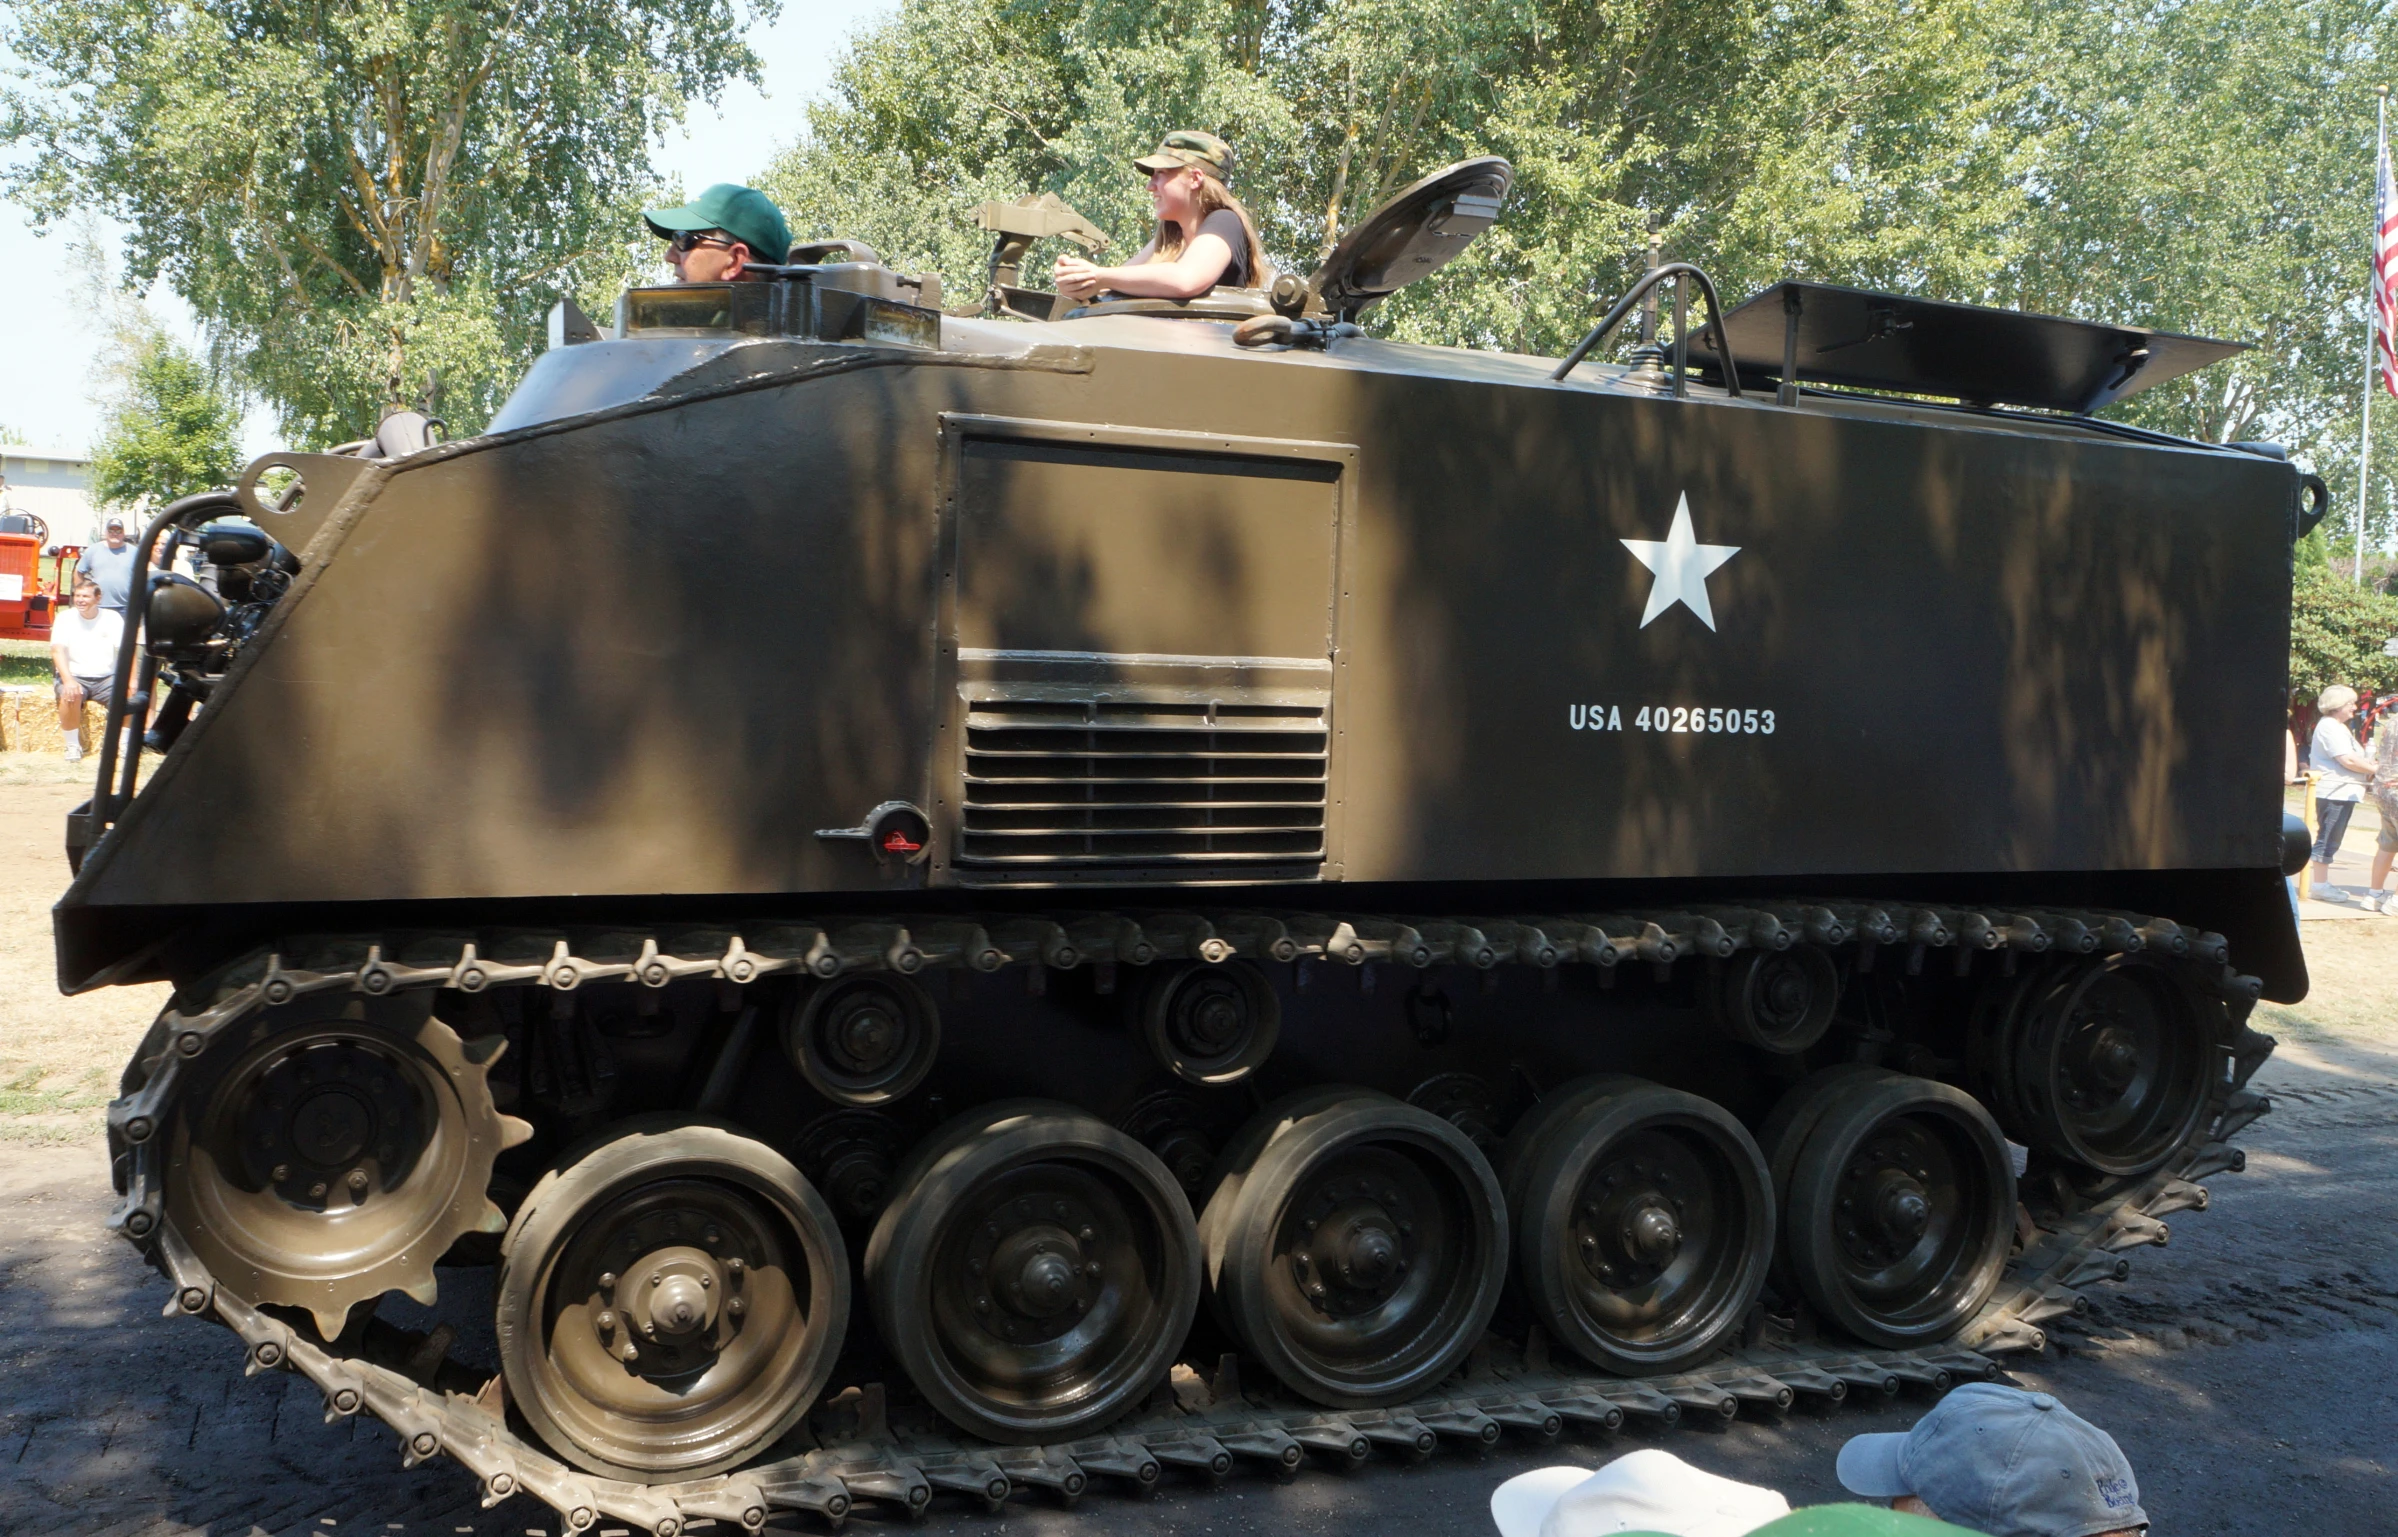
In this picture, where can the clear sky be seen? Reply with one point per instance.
(46, 351)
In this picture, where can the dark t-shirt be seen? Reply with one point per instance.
(1226, 226)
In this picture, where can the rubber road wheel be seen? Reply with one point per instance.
(1785, 1131)
(670, 1301)
(1902, 1208)
(1643, 1225)
(1355, 1245)
(1035, 1273)
(2111, 1068)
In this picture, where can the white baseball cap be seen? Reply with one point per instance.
(1643, 1491)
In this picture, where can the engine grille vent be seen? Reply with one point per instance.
(1064, 786)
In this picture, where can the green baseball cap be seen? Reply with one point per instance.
(744, 213)
(1189, 147)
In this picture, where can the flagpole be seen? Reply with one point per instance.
(2364, 451)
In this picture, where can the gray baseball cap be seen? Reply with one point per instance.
(2002, 1461)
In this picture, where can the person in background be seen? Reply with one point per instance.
(1205, 239)
(110, 563)
(712, 238)
(2385, 802)
(2341, 770)
(83, 653)
(1643, 1491)
(2001, 1461)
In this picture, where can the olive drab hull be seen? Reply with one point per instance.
(960, 906)
(652, 654)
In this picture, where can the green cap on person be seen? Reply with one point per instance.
(744, 213)
(1189, 147)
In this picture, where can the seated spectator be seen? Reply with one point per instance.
(2002, 1461)
(1642, 1491)
(83, 653)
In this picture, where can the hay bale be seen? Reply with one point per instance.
(29, 721)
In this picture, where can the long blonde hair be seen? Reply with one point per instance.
(1212, 194)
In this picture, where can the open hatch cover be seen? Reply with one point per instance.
(1874, 341)
(1418, 231)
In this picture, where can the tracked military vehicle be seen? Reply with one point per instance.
(969, 903)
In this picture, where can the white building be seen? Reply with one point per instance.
(53, 485)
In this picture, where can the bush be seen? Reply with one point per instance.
(2337, 631)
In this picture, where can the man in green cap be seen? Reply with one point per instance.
(713, 237)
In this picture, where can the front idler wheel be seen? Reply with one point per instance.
(670, 1302)
(1035, 1272)
(1355, 1245)
(864, 1040)
(1210, 1025)
(2110, 1066)
(1643, 1221)
(1901, 1206)
(332, 1150)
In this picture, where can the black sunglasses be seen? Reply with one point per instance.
(684, 241)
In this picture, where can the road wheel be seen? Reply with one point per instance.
(1355, 1245)
(670, 1301)
(1035, 1272)
(2109, 1065)
(1643, 1220)
(1901, 1207)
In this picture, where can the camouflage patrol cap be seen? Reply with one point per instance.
(744, 213)
(1189, 147)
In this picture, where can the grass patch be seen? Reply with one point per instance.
(30, 1093)
(24, 661)
(2352, 972)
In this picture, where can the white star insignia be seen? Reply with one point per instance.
(1682, 565)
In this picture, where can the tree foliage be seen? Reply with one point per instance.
(355, 193)
(2199, 165)
(173, 432)
(2337, 631)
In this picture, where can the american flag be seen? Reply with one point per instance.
(2385, 273)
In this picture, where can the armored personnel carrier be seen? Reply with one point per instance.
(962, 903)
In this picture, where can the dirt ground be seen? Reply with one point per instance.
(2250, 1370)
(59, 1057)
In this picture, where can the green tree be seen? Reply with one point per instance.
(1746, 134)
(2206, 166)
(171, 433)
(2337, 631)
(354, 194)
(2197, 165)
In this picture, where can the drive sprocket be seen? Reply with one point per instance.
(330, 1151)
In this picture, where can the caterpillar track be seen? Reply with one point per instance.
(866, 1444)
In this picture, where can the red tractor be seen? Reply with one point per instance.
(31, 582)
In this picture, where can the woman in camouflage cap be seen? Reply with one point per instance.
(1205, 239)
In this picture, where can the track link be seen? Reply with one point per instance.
(1208, 1426)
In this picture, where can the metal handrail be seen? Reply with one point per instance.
(122, 698)
(1685, 274)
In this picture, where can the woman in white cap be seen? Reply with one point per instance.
(2341, 773)
(1205, 239)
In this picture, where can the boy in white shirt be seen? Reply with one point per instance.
(83, 652)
